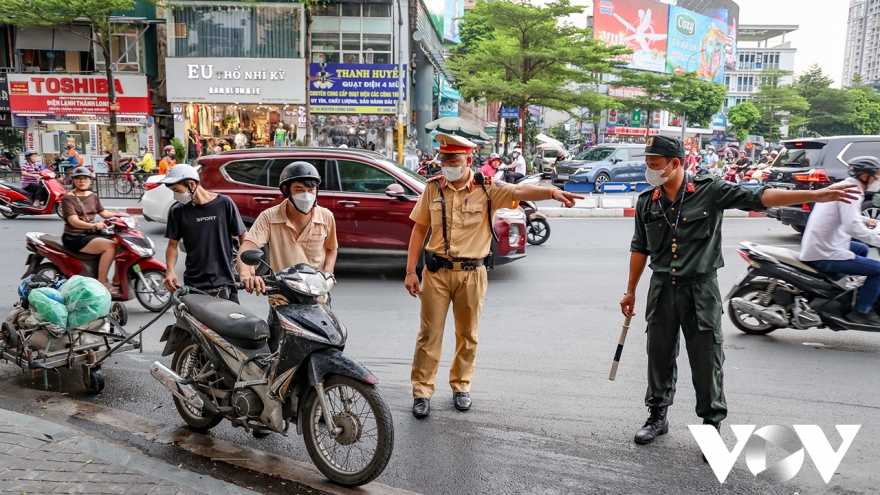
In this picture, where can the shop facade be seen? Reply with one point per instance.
(56, 109)
(235, 74)
(355, 75)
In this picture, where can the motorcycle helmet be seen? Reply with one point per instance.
(298, 171)
(864, 165)
(167, 149)
(79, 172)
(494, 155)
(517, 150)
(180, 173)
(29, 153)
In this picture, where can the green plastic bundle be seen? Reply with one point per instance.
(87, 300)
(45, 305)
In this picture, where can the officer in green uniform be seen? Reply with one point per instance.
(678, 224)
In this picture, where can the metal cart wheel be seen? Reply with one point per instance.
(93, 380)
(119, 313)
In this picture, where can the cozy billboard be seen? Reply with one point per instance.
(77, 94)
(696, 43)
(640, 25)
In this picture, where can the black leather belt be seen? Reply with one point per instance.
(459, 264)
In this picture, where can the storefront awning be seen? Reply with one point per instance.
(447, 92)
(43, 38)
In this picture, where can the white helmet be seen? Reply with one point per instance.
(180, 173)
(517, 150)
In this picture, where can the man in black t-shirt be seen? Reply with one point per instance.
(206, 222)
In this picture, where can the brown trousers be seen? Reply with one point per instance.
(465, 290)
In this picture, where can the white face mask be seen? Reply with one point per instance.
(452, 174)
(303, 202)
(655, 177)
(183, 198)
(874, 186)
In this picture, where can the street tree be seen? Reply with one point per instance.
(61, 14)
(832, 111)
(780, 104)
(677, 93)
(742, 119)
(530, 56)
(866, 106)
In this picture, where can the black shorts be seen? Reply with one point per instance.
(78, 242)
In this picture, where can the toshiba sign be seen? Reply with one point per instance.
(64, 94)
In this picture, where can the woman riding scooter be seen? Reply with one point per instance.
(491, 166)
(80, 207)
(30, 177)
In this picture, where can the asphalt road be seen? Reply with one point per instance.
(546, 419)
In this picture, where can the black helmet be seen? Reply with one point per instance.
(864, 165)
(298, 171)
(80, 171)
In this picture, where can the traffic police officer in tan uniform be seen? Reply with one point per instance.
(455, 267)
(678, 224)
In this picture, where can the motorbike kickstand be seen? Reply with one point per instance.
(325, 408)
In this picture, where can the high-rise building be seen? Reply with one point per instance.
(862, 54)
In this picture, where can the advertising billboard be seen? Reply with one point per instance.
(436, 12)
(451, 18)
(696, 43)
(353, 88)
(726, 11)
(64, 94)
(640, 25)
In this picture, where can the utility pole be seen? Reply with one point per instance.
(401, 111)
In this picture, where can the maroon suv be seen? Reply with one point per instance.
(370, 196)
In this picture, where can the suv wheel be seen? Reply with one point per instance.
(871, 211)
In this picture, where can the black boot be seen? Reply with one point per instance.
(717, 427)
(421, 407)
(657, 424)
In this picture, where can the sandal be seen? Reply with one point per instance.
(113, 289)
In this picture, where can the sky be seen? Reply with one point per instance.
(819, 38)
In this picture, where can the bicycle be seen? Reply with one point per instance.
(129, 178)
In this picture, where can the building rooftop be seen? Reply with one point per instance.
(763, 32)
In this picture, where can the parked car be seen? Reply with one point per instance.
(156, 200)
(370, 196)
(545, 159)
(814, 164)
(603, 163)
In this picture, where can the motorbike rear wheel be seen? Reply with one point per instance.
(123, 185)
(58, 211)
(538, 231)
(744, 321)
(154, 296)
(188, 361)
(48, 271)
(360, 452)
(8, 215)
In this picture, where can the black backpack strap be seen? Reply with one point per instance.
(443, 212)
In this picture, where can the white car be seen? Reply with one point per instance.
(157, 200)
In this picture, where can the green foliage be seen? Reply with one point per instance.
(558, 132)
(742, 119)
(704, 99)
(179, 150)
(779, 104)
(522, 54)
(677, 93)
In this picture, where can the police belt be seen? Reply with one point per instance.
(459, 264)
(685, 281)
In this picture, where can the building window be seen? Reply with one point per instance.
(745, 84)
(125, 50)
(375, 10)
(225, 31)
(746, 61)
(771, 61)
(351, 48)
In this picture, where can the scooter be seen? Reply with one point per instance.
(780, 291)
(537, 227)
(15, 201)
(227, 366)
(531, 180)
(141, 275)
(124, 162)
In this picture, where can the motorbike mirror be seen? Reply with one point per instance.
(396, 191)
(252, 257)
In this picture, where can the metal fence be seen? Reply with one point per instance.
(105, 185)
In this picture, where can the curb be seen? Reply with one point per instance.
(131, 210)
(625, 212)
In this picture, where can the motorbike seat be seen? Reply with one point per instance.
(18, 189)
(237, 324)
(786, 256)
(55, 242)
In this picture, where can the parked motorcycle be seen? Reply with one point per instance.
(15, 201)
(124, 162)
(226, 367)
(532, 180)
(537, 226)
(780, 291)
(9, 160)
(141, 276)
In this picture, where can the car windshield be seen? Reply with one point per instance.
(595, 154)
(798, 157)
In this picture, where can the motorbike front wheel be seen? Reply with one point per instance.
(123, 185)
(747, 323)
(154, 296)
(188, 361)
(360, 452)
(538, 231)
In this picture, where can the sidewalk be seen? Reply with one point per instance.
(38, 456)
